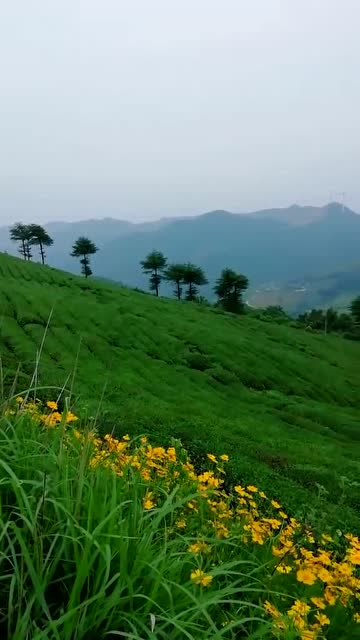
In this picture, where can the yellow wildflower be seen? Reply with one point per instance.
(356, 617)
(180, 524)
(224, 457)
(308, 634)
(148, 502)
(70, 417)
(263, 495)
(126, 437)
(275, 504)
(52, 405)
(283, 514)
(251, 488)
(283, 568)
(201, 578)
(306, 575)
(326, 538)
(318, 602)
(322, 619)
(211, 457)
(19, 399)
(240, 490)
(199, 547)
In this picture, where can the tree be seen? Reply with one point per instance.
(355, 308)
(41, 238)
(193, 277)
(175, 273)
(154, 263)
(20, 232)
(85, 248)
(229, 287)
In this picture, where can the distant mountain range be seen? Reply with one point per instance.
(272, 247)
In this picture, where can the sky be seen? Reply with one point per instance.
(140, 109)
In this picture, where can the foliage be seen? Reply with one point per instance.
(154, 263)
(327, 320)
(229, 288)
(20, 232)
(176, 273)
(355, 308)
(106, 535)
(85, 248)
(193, 277)
(284, 401)
(40, 237)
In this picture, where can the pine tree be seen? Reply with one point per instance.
(40, 237)
(229, 288)
(83, 247)
(194, 277)
(154, 264)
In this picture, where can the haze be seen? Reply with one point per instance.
(140, 109)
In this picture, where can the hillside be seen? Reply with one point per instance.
(282, 403)
(272, 247)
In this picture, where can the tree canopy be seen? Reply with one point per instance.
(175, 273)
(154, 264)
(229, 287)
(194, 277)
(83, 247)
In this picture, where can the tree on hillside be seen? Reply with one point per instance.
(83, 247)
(229, 287)
(40, 237)
(175, 273)
(193, 277)
(20, 232)
(355, 308)
(154, 264)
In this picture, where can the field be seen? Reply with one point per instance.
(283, 404)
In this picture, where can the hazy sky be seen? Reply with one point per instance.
(147, 108)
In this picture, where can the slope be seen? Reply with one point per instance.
(284, 404)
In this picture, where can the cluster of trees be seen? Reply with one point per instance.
(330, 320)
(229, 286)
(29, 235)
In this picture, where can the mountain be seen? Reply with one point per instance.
(283, 402)
(263, 245)
(271, 247)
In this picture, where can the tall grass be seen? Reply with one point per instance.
(81, 558)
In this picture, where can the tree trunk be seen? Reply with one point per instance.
(42, 252)
(178, 290)
(23, 249)
(156, 282)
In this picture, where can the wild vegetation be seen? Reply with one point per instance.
(284, 402)
(106, 537)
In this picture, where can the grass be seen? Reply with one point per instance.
(284, 404)
(105, 538)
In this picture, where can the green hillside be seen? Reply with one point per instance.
(282, 403)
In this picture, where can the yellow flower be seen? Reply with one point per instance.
(357, 617)
(275, 504)
(318, 602)
(306, 575)
(224, 457)
(201, 578)
(143, 440)
(322, 619)
(354, 556)
(240, 490)
(70, 417)
(271, 609)
(251, 488)
(307, 634)
(180, 524)
(19, 399)
(283, 514)
(330, 596)
(283, 568)
(211, 457)
(199, 547)
(148, 502)
(126, 437)
(263, 495)
(52, 405)
(326, 538)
